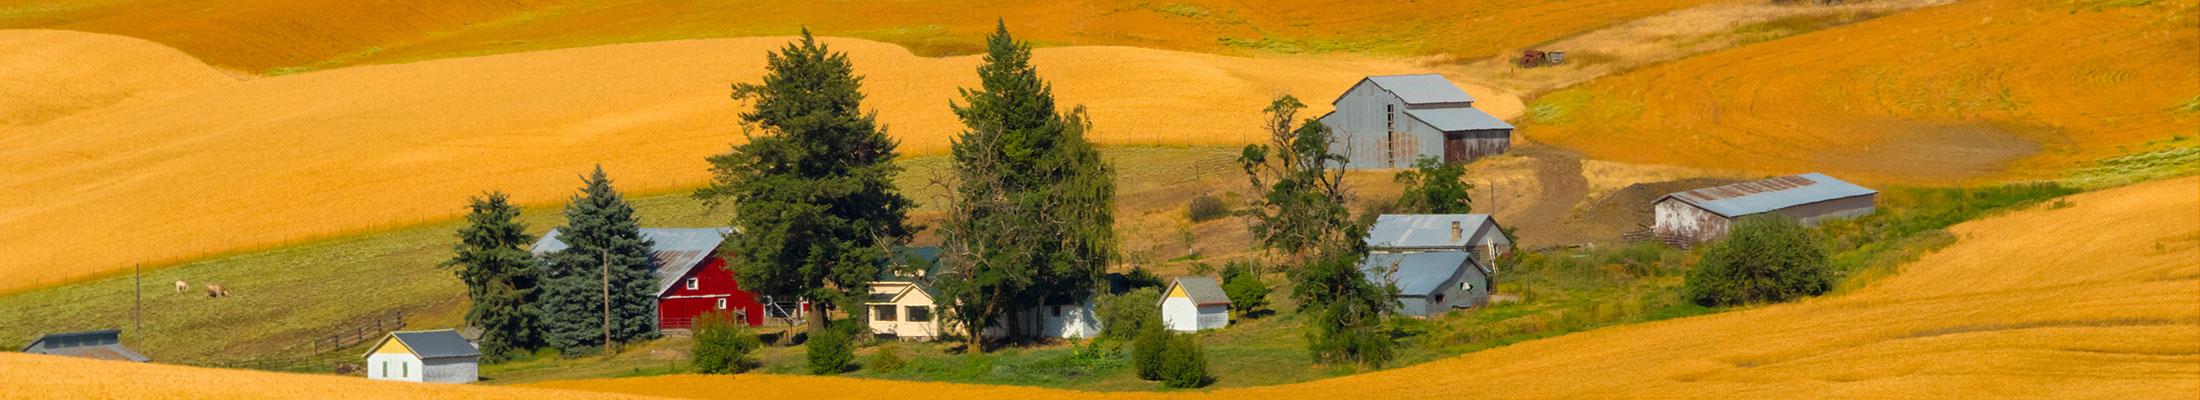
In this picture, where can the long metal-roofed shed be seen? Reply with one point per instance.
(1392, 121)
(99, 345)
(1706, 214)
(1429, 283)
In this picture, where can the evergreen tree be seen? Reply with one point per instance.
(605, 244)
(1032, 217)
(1435, 187)
(499, 276)
(816, 210)
(1301, 202)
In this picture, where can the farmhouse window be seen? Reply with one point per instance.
(920, 314)
(404, 369)
(721, 304)
(385, 369)
(883, 313)
(694, 283)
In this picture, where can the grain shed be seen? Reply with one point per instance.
(438, 356)
(1194, 303)
(1705, 214)
(1391, 121)
(99, 345)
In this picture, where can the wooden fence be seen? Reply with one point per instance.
(360, 332)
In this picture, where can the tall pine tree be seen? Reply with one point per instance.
(816, 210)
(1032, 219)
(605, 245)
(499, 276)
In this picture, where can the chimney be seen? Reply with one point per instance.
(1455, 231)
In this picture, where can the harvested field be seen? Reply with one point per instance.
(43, 77)
(1965, 321)
(282, 36)
(2072, 81)
(49, 377)
(274, 160)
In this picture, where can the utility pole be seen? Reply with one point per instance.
(137, 283)
(606, 301)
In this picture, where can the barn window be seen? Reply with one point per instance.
(1466, 286)
(696, 283)
(1390, 116)
(1439, 298)
(721, 304)
(883, 313)
(920, 314)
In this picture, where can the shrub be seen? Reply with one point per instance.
(1183, 363)
(888, 359)
(1207, 208)
(833, 349)
(1241, 281)
(1347, 311)
(1147, 352)
(1434, 187)
(722, 346)
(1763, 259)
(1124, 316)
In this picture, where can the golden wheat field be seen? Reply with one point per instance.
(264, 161)
(48, 377)
(2038, 303)
(1975, 90)
(280, 35)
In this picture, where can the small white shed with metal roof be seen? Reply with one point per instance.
(1391, 121)
(1195, 303)
(1705, 214)
(438, 356)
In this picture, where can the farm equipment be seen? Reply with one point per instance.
(1536, 58)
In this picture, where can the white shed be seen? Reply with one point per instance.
(439, 356)
(1195, 303)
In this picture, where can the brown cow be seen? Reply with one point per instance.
(213, 290)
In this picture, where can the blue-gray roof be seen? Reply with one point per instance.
(1754, 197)
(1421, 231)
(100, 345)
(1456, 119)
(1422, 88)
(675, 250)
(443, 343)
(1415, 274)
(1203, 290)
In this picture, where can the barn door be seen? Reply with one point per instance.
(1455, 149)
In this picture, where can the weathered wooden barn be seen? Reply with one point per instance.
(1430, 283)
(98, 345)
(1194, 303)
(1705, 214)
(438, 356)
(691, 278)
(1391, 121)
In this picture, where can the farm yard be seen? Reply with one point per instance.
(1689, 198)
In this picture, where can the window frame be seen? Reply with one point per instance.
(694, 283)
(910, 313)
(887, 316)
(722, 303)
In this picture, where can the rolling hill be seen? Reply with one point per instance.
(48, 377)
(1978, 90)
(265, 161)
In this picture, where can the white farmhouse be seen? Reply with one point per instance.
(439, 356)
(1195, 303)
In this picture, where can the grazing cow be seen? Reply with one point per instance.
(181, 286)
(213, 290)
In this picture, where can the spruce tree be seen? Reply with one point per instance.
(1033, 214)
(604, 242)
(499, 276)
(816, 210)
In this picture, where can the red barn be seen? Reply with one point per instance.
(691, 278)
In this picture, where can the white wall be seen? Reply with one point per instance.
(1179, 314)
(395, 367)
(452, 370)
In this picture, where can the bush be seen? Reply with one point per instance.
(1763, 259)
(722, 346)
(1183, 363)
(1147, 352)
(1241, 281)
(1124, 316)
(1207, 208)
(1347, 311)
(833, 350)
(888, 359)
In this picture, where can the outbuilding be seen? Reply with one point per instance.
(1195, 303)
(1392, 121)
(438, 356)
(1703, 215)
(98, 345)
(692, 279)
(1476, 234)
(1430, 283)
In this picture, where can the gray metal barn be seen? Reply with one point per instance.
(1705, 214)
(1430, 283)
(1391, 121)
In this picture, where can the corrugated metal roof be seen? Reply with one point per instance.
(1425, 230)
(674, 250)
(103, 344)
(1457, 119)
(1422, 88)
(1753, 197)
(1415, 274)
(1203, 290)
(442, 343)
